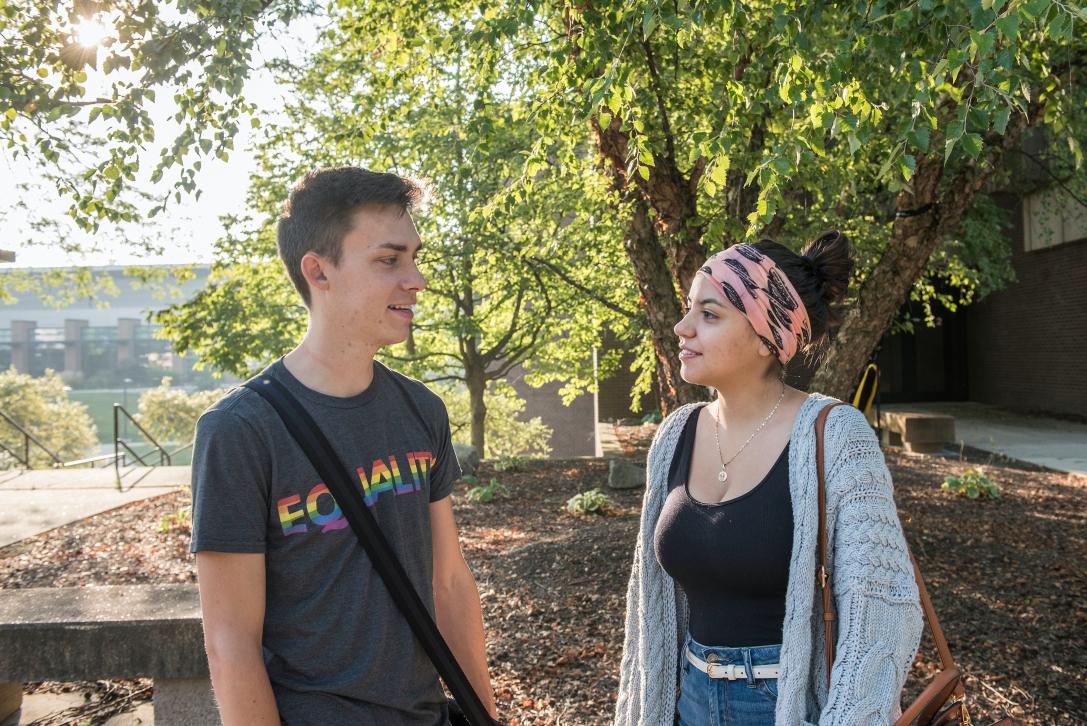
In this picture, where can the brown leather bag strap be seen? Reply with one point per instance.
(823, 574)
(947, 662)
(946, 659)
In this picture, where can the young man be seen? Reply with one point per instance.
(299, 628)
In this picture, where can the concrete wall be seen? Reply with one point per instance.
(573, 426)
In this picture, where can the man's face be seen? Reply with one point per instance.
(373, 288)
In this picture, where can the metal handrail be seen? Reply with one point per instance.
(118, 442)
(27, 439)
(92, 460)
(131, 451)
(179, 449)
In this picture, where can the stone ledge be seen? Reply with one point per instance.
(77, 633)
(917, 431)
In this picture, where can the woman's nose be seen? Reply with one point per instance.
(682, 329)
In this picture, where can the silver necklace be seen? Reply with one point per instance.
(722, 476)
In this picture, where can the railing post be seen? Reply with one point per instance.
(116, 449)
(26, 450)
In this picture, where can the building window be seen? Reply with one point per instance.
(1051, 217)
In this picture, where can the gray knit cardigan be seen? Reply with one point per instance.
(879, 613)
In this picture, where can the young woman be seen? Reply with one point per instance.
(724, 620)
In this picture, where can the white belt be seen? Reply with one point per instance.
(732, 671)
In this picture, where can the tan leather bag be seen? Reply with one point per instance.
(943, 702)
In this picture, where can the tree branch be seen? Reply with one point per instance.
(654, 74)
(557, 272)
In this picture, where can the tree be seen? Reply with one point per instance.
(508, 432)
(169, 414)
(42, 407)
(720, 121)
(498, 292)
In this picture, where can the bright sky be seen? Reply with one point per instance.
(187, 230)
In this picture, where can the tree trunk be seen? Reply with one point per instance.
(931, 212)
(671, 196)
(476, 381)
(662, 307)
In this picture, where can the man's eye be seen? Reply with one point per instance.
(390, 261)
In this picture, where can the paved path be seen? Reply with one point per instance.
(32, 502)
(607, 443)
(1050, 442)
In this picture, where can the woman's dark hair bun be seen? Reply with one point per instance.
(830, 257)
(820, 274)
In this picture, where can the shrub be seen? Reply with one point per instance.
(180, 520)
(510, 462)
(169, 414)
(593, 501)
(506, 433)
(42, 407)
(972, 483)
(487, 492)
(653, 417)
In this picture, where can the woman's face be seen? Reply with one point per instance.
(718, 347)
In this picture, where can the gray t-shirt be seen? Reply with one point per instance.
(336, 647)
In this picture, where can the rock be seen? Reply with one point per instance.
(468, 457)
(625, 475)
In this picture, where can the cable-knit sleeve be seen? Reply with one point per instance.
(646, 672)
(879, 611)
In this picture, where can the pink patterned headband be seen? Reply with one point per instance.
(763, 293)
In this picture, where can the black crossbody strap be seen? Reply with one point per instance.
(344, 488)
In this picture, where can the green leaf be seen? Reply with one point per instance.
(971, 144)
(649, 21)
(1058, 26)
(907, 165)
(1008, 25)
(984, 43)
(919, 138)
(719, 170)
(1000, 120)
(954, 133)
(643, 172)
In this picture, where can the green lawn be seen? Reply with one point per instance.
(100, 406)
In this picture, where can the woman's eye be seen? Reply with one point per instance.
(708, 315)
(390, 261)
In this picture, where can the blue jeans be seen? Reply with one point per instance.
(705, 701)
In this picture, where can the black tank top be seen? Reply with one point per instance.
(731, 559)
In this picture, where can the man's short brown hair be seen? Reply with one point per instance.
(318, 213)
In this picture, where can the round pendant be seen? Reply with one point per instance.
(722, 476)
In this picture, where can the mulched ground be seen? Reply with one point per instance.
(1008, 578)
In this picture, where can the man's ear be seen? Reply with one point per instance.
(313, 269)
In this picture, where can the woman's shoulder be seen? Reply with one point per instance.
(675, 420)
(672, 426)
(844, 422)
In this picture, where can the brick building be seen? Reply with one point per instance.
(1022, 348)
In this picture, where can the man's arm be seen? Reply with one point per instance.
(232, 602)
(456, 602)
